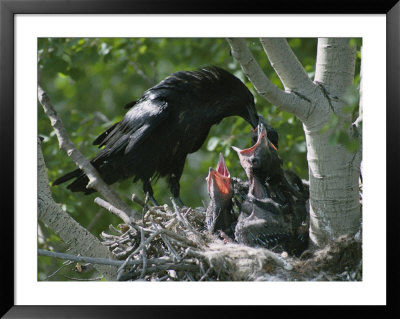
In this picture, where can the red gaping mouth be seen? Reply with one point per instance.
(261, 131)
(221, 167)
(220, 176)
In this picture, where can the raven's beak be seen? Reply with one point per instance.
(253, 116)
(261, 131)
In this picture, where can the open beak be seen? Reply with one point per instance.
(220, 176)
(250, 151)
(271, 132)
(248, 157)
(262, 132)
(221, 167)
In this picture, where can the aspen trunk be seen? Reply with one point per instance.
(333, 171)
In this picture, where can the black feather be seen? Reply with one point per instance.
(170, 120)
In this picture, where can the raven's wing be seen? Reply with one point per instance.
(133, 129)
(99, 140)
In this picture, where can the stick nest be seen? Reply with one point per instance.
(172, 244)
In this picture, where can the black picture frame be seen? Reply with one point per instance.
(8, 10)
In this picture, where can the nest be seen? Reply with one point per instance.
(172, 244)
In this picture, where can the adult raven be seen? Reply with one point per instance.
(170, 121)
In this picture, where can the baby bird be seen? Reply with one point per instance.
(219, 215)
(273, 215)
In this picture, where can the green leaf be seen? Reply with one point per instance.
(212, 143)
(56, 64)
(142, 49)
(75, 73)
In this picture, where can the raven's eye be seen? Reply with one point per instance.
(254, 161)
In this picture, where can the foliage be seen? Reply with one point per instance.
(90, 80)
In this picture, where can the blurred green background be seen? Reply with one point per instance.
(89, 80)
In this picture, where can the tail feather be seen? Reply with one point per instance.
(67, 177)
(78, 185)
(109, 173)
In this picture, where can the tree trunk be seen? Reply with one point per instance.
(333, 171)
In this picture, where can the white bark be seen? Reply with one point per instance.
(286, 100)
(287, 66)
(78, 238)
(333, 171)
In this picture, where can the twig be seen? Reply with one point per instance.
(150, 238)
(194, 253)
(120, 274)
(167, 243)
(137, 200)
(117, 212)
(163, 278)
(190, 276)
(65, 264)
(112, 228)
(142, 244)
(144, 256)
(100, 261)
(95, 181)
(206, 273)
(140, 72)
(179, 238)
(183, 220)
(155, 269)
(171, 223)
(84, 279)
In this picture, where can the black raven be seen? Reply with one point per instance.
(170, 120)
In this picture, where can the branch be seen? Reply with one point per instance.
(140, 72)
(99, 261)
(65, 143)
(288, 101)
(78, 238)
(117, 212)
(287, 66)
